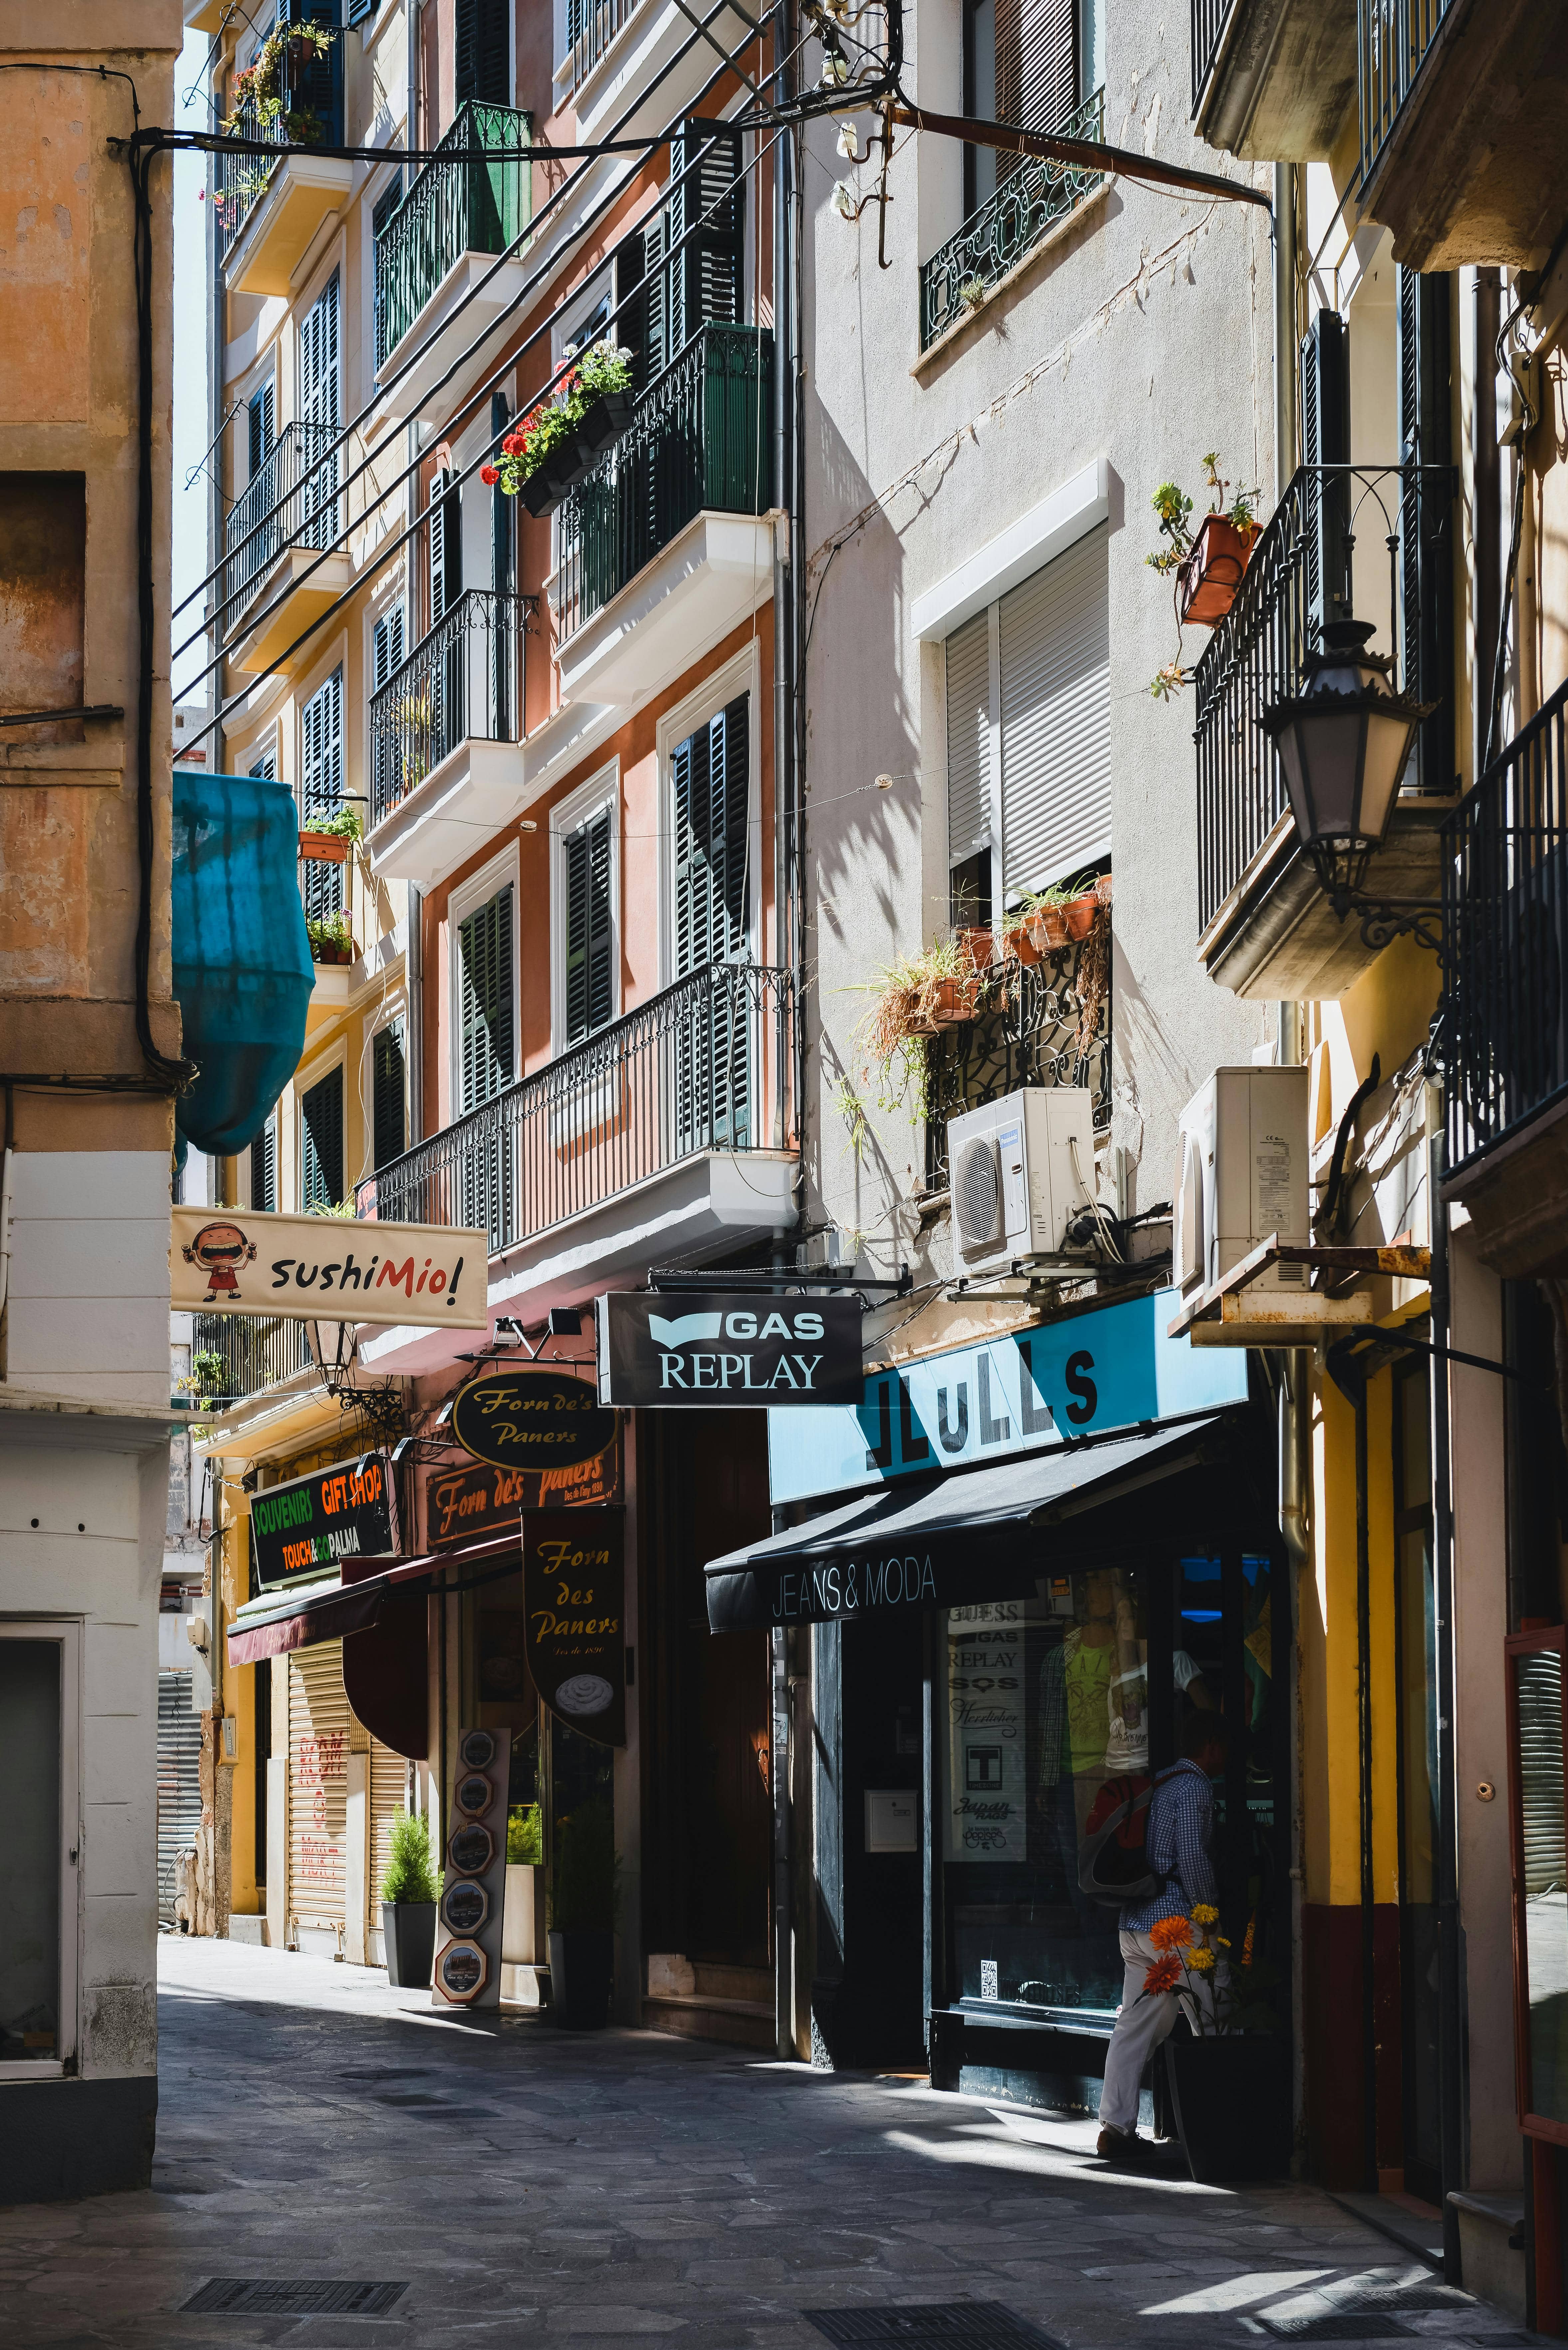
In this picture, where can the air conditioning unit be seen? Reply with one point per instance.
(1243, 1171)
(1019, 1169)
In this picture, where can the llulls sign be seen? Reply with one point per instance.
(326, 1268)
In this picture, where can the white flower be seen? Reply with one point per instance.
(849, 141)
(842, 200)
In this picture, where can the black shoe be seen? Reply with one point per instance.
(1122, 2147)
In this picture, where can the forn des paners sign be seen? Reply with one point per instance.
(719, 1347)
(306, 1528)
(324, 1269)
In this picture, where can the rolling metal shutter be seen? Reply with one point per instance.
(968, 738)
(388, 1793)
(317, 1785)
(1539, 1687)
(178, 1780)
(1056, 641)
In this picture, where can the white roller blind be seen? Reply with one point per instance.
(318, 1784)
(388, 1792)
(1056, 718)
(969, 736)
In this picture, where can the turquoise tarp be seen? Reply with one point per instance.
(242, 972)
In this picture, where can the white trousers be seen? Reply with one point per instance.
(1141, 2024)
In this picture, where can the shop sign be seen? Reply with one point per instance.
(716, 1346)
(306, 1528)
(574, 1610)
(464, 1505)
(531, 1416)
(318, 1269)
(467, 1970)
(1021, 1392)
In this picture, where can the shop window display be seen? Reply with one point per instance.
(1050, 1701)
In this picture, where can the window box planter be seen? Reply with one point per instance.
(327, 951)
(1208, 581)
(598, 428)
(324, 847)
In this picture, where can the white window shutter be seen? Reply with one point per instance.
(1054, 630)
(968, 738)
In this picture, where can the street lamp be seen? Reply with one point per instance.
(1343, 742)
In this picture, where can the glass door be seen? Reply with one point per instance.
(39, 1841)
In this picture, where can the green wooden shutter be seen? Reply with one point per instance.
(481, 59)
(485, 1007)
(710, 779)
(321, 1154)
(707, 197)
(389, 1123)
(321, 788)
(1427, 583)
(1326, 441)
(590, 944)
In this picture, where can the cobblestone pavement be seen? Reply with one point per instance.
(531, 2187)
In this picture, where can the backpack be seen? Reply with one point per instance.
(1113, 1861)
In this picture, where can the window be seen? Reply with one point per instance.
(321, 1143)
(482, 65)
(1028, 696)
(386, 205)
(485, 959)
(319, 413)
(260, 427)
(710, 779)
(264, 1168)
(264, 764)
(1032, 62)
(321, 789)
(444, 540)
(386, 647)
(589, 924)
(685, 285)
(42, 592)
(39, 1839)
(389, 1121)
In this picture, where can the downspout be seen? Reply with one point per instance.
(1364, 1761)
(1451, 1976)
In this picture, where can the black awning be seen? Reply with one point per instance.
(954, 1542)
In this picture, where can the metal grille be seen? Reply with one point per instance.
(1505, 920)
(291, 499)
(179, 1778)
(612, 1111)
(1371, 2327)
(1305, 563)
(1030, 200)
(1031, 1039)
(699, 439)
(290, 2297)
(969, 2325)
(1394, 36)
(256, 1353)
(453, 208)
(459, 684)
(1210, 18)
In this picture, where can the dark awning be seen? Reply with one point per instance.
(283, 1620)
(958, 1541)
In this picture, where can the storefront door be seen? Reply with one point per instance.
(317, 1797)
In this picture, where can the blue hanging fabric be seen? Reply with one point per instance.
(243, 970)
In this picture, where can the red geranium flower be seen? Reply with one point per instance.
(488, 476)
(512, 446)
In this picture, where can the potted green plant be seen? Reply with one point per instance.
(550, 449)
(331, 940)
(1209, 563)
(327, 840)
(409, 1891)
(584, 1896)
(525, 1853)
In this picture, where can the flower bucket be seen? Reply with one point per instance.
(324, 847)
(598, 428)
(953, 1001)
(1206, 582)
(1023, 941)
(325, 950)
(1079, 916)
(1230, 2099)
(1050, 927)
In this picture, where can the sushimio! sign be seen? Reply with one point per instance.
(310, 1525)
(326, 1268)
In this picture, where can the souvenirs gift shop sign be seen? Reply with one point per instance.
(306, 1528)
(1029, 1390)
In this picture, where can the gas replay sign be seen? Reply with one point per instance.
(716, 1347)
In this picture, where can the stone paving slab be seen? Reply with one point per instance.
(592, 2190)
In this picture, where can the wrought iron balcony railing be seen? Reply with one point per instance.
(707, 1065)
(701, 436)
(1505, 925)
(1367, 540)
(1049, 1024)
(257, 1354)
(1210, 18)
(310, 113)
(453, 208)
(1393, 37)
(591, 26)
(1028, 202)
(291, 499)
(459, 682)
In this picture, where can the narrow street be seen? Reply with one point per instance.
(522, 2186)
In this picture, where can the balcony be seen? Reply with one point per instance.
(445, 770)
(1462, 104)
(1039, 1034)
(623, 62)
(288, 515)
(268, 212)
(257, 1354)
(666, 1137)
(1030, 203)
(1273, 78)
(664, 550)
(1344, 539)
(1505, 1019)
(439, 244)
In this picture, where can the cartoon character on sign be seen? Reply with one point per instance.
(219, 1250)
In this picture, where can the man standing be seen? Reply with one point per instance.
(1180, 1829)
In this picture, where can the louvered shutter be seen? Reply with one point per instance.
(485, 1010)
(710, 779)
(179, 1778)
(481, 59)
(261, 432)
(642, 326)
(321, 789)
(590, 948)
(436, 538)
(1426, 585)
(316, 92)
(1538, 1686)
(968, 738)
(319, 411)
(386, 660)
(1055, 638)
(264, 1168)
(265, 766)
(321, 1143)
(705, 205)
(1326, 441)
(387, 1117)
(1036, 62)
(388, 203)
(317, 1786)
(387, 647)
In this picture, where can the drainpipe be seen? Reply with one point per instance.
(1284, 326)
(1364, 1759)
(1450, 1975)
(1486, 506)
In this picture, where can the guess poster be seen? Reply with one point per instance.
(987, 1817)
(573, 1586)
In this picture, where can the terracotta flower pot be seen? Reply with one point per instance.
(979, 946)
(324, 847)
(1023, 941)
(1208, 581)
(1079, 916)
(954, 1002)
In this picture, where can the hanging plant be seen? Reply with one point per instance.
(260, 88)
(560, 438)
(1209, 563)
(1044, 921)
(914, 998)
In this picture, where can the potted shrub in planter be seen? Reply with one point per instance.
(916, 996)
(328, 840)
(409, 1892)
(583, 1900)
(524, 1855)
(561, 438)
(331, 940)
(1223, 2063)
(1209, 563)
